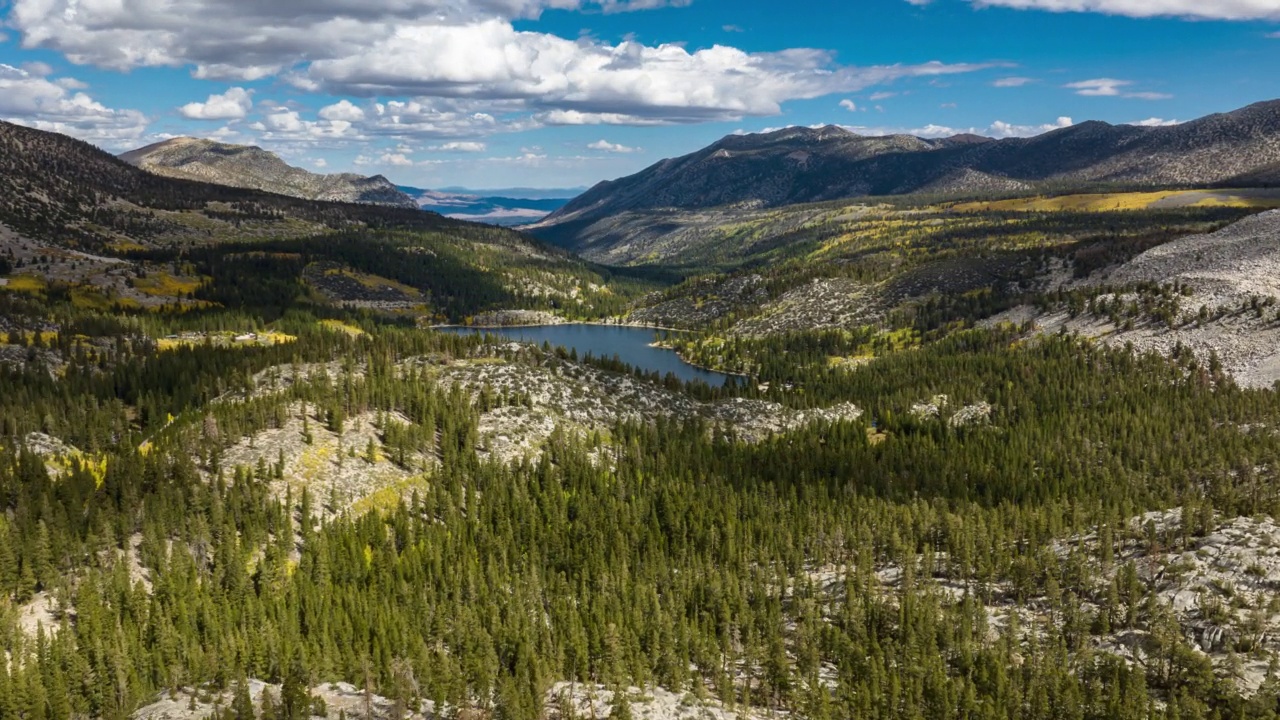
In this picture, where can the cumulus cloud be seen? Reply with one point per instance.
(395, 160)
(453, 49)
(1198, 9)
(459, 146)
(344, 110)
(247, 39)
(606, 146)
(1110, 87)
(234, 104)
(849, 105)
(997, 129)
(29, 97)
(1156, 122)
(492, 60)
(1001, 129)
(403, 120)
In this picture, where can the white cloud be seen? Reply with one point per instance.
(1110, 87)
(997, 129)
(343, 110)
(234, 104)
(402, 120)
(395, 159)
(1199, 9)
(668, 83)
(575, 117)
(1100, 87)
(732, 28)
(1012, 82)
(459, 146)
(284, 124)
(877, 97)
(1156, 122)
(606, 146)
(1001, 129)
(29, 97)
(451, 49)
(849, 105)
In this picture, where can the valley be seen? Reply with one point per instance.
(1004, 452)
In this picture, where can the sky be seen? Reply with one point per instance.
(566, 93)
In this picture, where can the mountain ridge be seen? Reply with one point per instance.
(249, 166)
(801, 165)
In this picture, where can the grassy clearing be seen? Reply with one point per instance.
(340, 326)
(124, 246)
(159, 284)
(1111, 202)
(87, 298)
(224, 339)
(387, 498)
(33, 284)
(1240, 201)
(1099, 202)
(375, 282)
(47, 337)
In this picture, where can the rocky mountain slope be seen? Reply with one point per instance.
(1223, 310)
(67, 192)
(800, 165)
(75, 221)
(252, 167)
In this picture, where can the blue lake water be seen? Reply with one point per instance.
(630, 344)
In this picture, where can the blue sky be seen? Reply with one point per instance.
(563, 93)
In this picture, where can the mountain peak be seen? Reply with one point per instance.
(249, 166)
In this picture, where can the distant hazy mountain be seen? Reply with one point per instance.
(252, 167)
(520, 193)
(797, 165)
(516, 206)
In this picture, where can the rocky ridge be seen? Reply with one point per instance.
(254, 168)
(1228, 286)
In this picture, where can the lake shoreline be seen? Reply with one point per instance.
(585, 345)
(567, 322)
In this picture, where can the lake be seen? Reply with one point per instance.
(630, 344)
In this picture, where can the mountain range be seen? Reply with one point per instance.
(252, 167)
(802, 165)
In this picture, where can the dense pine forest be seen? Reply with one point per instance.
(663, 554)
(234, 452)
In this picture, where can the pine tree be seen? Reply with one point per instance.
(242, 703)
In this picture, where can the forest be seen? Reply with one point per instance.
(665, 554)
(1009, 525)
